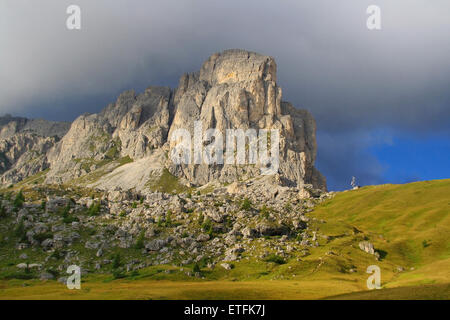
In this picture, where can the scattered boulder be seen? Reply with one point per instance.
(226, 266)
(156, 245)
(248, 232)
(92, 245)
(368, 247)
(203, 237)
(99, 253)
(46, 276)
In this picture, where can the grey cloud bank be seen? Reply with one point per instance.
(353, 80)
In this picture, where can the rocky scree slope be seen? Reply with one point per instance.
(124, 232)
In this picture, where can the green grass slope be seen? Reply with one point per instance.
(409, 224)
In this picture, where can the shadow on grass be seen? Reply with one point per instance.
(382, 254)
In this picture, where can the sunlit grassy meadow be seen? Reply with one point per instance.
(408, 224)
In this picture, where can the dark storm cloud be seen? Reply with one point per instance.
(353, 80)
(345, 155)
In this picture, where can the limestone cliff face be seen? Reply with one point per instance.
(9, 126)
(133, 127)
(235, 89)
(24, 145)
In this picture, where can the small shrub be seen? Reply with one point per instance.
(123, 213)
(20, 231)
(246, 205)
(118, 274)
(67, 218)
(2, 212)
(94, 209)
(265, 212)
(228, 222)
(425, 244)
(203, 263)
(134, 273)
(21, 275)
(53, 272)
(201, 218)
(140, 241)
(70, 219)
(207, 226)
(42, 236)
(169, 218)
(57, 254)
(275, 259)
(116, 261)
(19, 200)
(288, 207)
(196, 268)
(65, 211)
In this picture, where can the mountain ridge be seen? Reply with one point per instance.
(234, 89)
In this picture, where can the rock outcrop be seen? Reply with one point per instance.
(235, 89)
(9, 126)
(24, 145)
(132, 127)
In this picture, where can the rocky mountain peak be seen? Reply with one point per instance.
(234, 89)
(237, 89)
(10, 126)
(235, 65)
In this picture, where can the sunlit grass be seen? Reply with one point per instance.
(409, 223)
